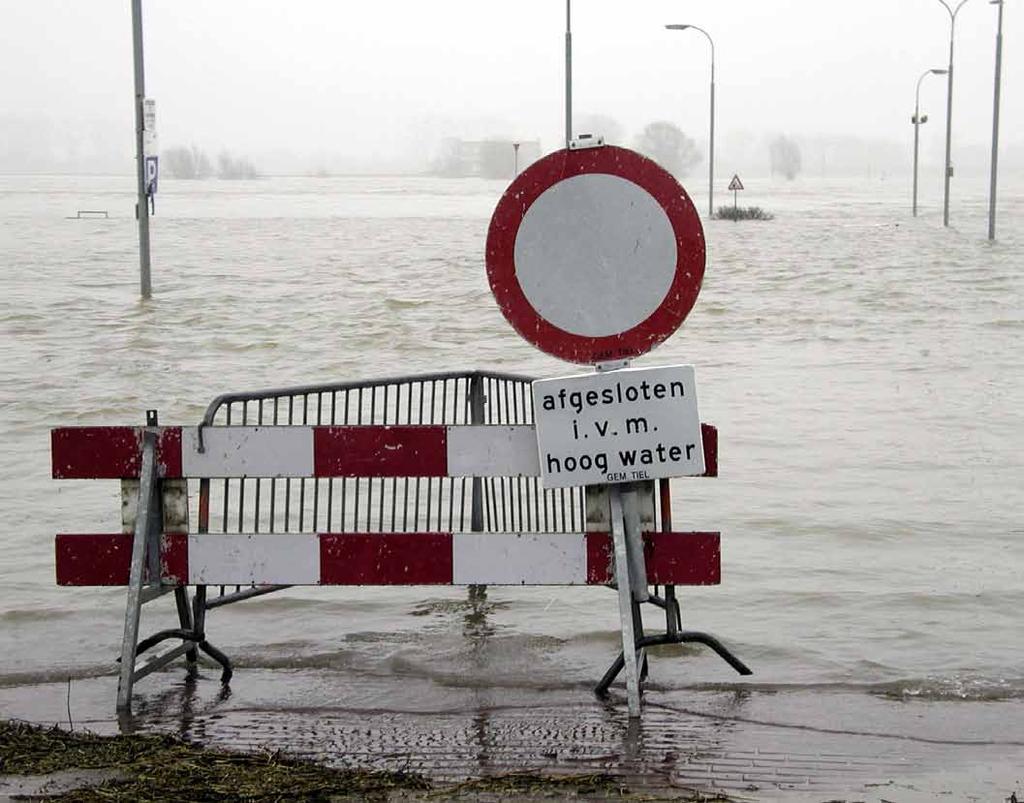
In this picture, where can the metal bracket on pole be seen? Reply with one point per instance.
(622, 578)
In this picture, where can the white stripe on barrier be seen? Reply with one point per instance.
(264, 559)
(487, 451)
(519, 559)
(247, 452)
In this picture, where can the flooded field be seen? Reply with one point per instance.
(863, 368)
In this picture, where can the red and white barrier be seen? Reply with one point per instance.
(418, 558)
(316, 451)
(387, 559)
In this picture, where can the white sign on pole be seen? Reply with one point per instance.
(618, 426)
(149, 127)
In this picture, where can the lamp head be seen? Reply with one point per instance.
(939, 72)
(677, 27)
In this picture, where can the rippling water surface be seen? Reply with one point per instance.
(863, 368)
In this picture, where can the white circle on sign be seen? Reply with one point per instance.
(595, 255)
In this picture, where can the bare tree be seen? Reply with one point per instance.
(187, 162)
(601, 125)
(785, 156)
(666, 144)
(235, 167)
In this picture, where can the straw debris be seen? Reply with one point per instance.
(171, 769)
(150, 767)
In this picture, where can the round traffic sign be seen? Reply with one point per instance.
(595, 255)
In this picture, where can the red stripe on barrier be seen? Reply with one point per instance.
(387, 559)
(600, 558)
(174, 558)
(375, 559)
(376, 451)
(111, 453)
(105, 559)
(168, 453)
(709, 436)
(95, 452)
(93, 560)
(692, 559)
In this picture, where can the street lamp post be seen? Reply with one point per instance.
(949, 108)
(916, 120)
(711, 146)
(995, 123)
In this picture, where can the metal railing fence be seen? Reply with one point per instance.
(400, 504)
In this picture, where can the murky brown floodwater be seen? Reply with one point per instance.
(863, 368)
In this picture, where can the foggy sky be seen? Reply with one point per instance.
(373, 79)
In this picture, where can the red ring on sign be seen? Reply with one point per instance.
(512, 209)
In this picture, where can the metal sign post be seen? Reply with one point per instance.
(568, 72)
(735, 185)
(622, 578)
(595, 255)
(141, 202)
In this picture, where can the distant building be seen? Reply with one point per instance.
(486, 158)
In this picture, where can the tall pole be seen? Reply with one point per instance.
(995, 124)
(917, 124)
(568, 73)
(949, 110)
(711, 141)
(142, 202)
(711, 156)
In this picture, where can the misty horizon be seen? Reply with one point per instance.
(318, 88)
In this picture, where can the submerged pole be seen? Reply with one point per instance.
(141, 204)
(995, 124)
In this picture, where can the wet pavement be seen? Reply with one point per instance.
(746, 742)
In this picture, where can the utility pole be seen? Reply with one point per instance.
(995, 123)
(568, 73)
(142, 203)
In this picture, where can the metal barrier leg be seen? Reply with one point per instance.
(683, 637)
(673, 622)
(199, 617)
(638, 634)
(637, 569)
(181, 600)
(143, 522)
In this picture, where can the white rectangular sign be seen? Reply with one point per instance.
(618, 426)
(149, 140)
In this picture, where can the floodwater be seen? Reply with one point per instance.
(863, 368)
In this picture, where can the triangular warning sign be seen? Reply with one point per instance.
(735, 184)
